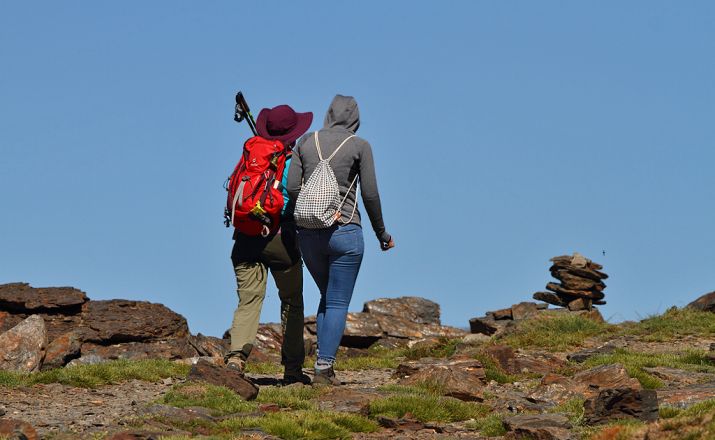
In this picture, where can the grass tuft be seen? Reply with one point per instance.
(220, 400)
(491, 425)
(555, 332)
(426, 407)
(672, 324)
(92, 376)
(635, 363)
(289, 397)
(493, 371)
(444, 348)
(312, 425)
(264, 368)
(572, 408)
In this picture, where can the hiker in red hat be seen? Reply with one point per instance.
(262, 244)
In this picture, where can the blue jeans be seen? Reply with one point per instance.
(333, 257)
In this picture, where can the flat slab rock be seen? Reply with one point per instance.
(117, 320)
(412, 308)
(461, 378)
(23, 298)
(538, 426)
(222, 376)
(685, 396)
(621, 403)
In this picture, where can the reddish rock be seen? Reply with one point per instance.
(58, 325)
(579, 304)
(685, 396)
(518, 362)
(459, 378)
(552, 298)
(269, 338)
(22, 347)
(591, 294)
(8, 321)
(501, 314)
(209, 345)
(168, 349)
(489, 326)
(21, 298)
(62, 350)
(538, 427)
(621, 403)
(229, 378)
(116, 321)
(17, 430)
(574, 282)
(524, 310)
(412, 308)
(589, 382)
(706, 303)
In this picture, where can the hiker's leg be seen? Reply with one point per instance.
(251, 288)
(346, 247)
(290, 290)
(313, 246)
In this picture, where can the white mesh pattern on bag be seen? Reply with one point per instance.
(318, 205)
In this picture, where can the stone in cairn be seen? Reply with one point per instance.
(581, 283)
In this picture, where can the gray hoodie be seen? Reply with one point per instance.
(354, 158)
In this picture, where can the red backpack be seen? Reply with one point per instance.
(255, 200)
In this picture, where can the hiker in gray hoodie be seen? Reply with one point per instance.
(333, 255)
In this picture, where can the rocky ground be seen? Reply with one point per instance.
(524, 372)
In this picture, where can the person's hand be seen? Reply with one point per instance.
(386, 246)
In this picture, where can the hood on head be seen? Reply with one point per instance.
(343, 112)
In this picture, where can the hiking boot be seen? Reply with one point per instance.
(325, 376)
(236, 363)
(290, 377)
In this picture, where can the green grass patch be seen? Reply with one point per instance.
(220, 400)
(491, 425)
(572, 408)
(377, 357)
(635, 363)
(426, 407)
(92, 376)
(445, 347)
(493, 371)
(289, 397)
(622, 429)
(554, 332)
(672, 324)
(264, 368)
(311, 425)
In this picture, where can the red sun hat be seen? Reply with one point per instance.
(282, 123)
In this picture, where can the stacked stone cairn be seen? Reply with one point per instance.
(581, 283)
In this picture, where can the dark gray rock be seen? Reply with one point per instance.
(621, 403)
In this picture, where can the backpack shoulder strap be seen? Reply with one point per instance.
(317, 145)
(339, 146)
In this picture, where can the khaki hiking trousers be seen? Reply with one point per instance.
(253, 258)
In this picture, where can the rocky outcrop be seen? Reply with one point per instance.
(397, 320)
(706, 303)
(538, 426)
(75, 327)
(22, 347)
(580, 283)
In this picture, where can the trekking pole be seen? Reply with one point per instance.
(243, 112)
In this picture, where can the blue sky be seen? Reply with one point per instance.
(504, 133)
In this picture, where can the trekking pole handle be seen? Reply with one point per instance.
(244, 112)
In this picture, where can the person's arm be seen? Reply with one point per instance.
(370, 194)
(295, 174)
